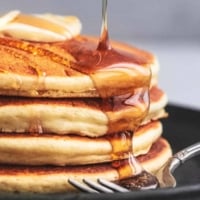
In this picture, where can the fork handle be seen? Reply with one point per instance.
(184, 155)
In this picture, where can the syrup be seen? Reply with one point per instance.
(142, 181)
(35, 126)
(131, 173)
(104, 38)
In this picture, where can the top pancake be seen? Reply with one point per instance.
(72, 68)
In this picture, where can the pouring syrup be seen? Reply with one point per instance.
(104, 37)
(131, 173)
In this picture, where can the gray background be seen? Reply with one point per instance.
(169, 28)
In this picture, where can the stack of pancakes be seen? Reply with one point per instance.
(63, 115)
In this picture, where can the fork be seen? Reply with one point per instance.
(99, 186)
(164, 175)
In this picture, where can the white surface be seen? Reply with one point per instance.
(179, 69)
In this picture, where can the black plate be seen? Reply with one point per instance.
(182, 128)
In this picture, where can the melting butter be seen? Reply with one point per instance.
(39, 28)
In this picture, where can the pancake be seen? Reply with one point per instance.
(70, 150)
(86, 117)
(158, 102)
(68, 107)
(48, 179)
(57, 69)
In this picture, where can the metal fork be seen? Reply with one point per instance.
(99, 186)
(164, 175)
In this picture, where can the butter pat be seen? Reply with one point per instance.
(39, 28)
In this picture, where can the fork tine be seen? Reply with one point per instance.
(82, 187)
(112, 185)
(97, 186)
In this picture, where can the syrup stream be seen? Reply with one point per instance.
(141, 179)
(104, 37)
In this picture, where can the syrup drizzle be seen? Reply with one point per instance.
(104, 37)
(131, 173)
